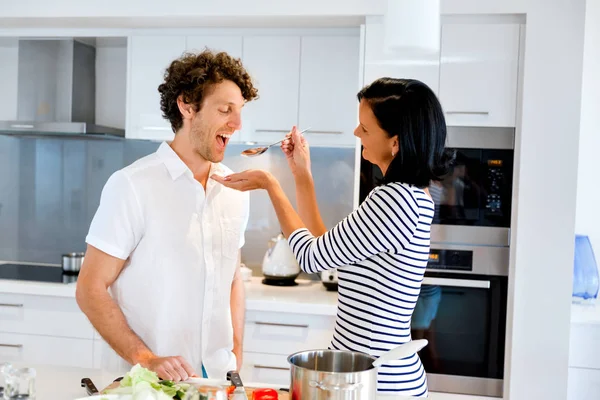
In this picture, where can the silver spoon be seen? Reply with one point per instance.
(257, 151)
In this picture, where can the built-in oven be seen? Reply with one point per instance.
(461, 308)
(473, 201)
(461, 311)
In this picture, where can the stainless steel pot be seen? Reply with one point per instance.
(71, 262)
(340, 374)
(332, 374)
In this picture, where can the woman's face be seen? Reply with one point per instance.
(378, 147)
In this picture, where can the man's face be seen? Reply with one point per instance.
(220, 115)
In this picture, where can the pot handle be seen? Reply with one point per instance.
(329, 388)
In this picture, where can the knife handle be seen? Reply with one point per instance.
(89, 386)
(235, 379)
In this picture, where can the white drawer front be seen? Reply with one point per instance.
(283, 333)
(272, 369)
(584, 347)
(43, 315)
(33, 349)
(584, 384)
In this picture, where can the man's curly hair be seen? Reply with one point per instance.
(193, 75)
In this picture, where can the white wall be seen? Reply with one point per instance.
(9, 82)
(588, 189)
(111, 84)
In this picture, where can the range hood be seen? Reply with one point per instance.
(56, 90)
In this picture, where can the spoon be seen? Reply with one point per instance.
(400, 352)
(257, 151)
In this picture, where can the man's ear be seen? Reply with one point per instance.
(187, 110)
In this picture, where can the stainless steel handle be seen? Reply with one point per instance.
(278, 324)
(11, 305)
(156, 128)
(258, 366)
(14, 346)
(22, 126)
(464, 283)
(326, 132)
(469, 112)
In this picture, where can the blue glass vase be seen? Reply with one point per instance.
(585, 275)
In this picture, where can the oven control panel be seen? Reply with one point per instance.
(494, 186)
(457, 260)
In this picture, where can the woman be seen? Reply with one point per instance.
(382, 248)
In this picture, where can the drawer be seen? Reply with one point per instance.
(270, 369)
(584, 346)
(43, 315)
(33, 349)
(285, 333)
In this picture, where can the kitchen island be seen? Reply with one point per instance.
(64, 383)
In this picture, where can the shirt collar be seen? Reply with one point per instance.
(177, 167)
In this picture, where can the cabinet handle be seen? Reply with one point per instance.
(11, 305)
(325, 132)
(469, 112)
(14, 346)
(258, 366)
(277, 324)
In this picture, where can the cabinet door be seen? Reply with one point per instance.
(329, 82)
(274, 64)
(270, 369)
(9, 79)
(149, 58)
(381, 62)
(49, 350)
(478, 74)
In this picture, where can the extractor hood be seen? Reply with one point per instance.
(56, 90)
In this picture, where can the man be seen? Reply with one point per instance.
(165, 239)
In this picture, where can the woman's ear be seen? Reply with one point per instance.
(395, 146)
(187, 110)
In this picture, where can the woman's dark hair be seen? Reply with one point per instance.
(193, 75)
(409, 109)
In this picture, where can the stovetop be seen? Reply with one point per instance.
(35, 273)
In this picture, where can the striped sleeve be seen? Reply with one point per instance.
(385, 222)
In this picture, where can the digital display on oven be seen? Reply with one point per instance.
(495, 163)
(458, 260)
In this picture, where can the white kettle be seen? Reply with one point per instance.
(280, 267)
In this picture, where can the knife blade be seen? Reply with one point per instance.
(239, 393)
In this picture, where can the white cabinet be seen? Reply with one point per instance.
(230, 44)
(329, 81)
(9, 79)
(44, 330)
(381, 62)
(149, 56)
(274, 64)
(270, 338)
(478, 74)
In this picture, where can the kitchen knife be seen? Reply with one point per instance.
(89, 386)
(239, 393)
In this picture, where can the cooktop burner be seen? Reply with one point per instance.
(35, 273)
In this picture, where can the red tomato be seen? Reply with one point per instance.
(230, 390)
(265, 394)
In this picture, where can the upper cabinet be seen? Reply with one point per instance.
(274, 65)
(149, 57)
(476, 77)
(329, 72)
(479, 73)
(308, 78)
(381, 62)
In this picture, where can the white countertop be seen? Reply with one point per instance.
(64, 383)
(308, 297)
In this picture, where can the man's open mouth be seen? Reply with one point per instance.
(223, 138)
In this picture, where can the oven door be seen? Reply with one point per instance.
(463, 318)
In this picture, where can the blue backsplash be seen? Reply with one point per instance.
(50, 189)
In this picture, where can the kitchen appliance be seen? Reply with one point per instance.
(461, 311)
(330, 279)
(36, 273)
(340, 374)
(56, 90)
(461, 308)
(280, 267)
(585, 271)
(473, 202)
(71, 262)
